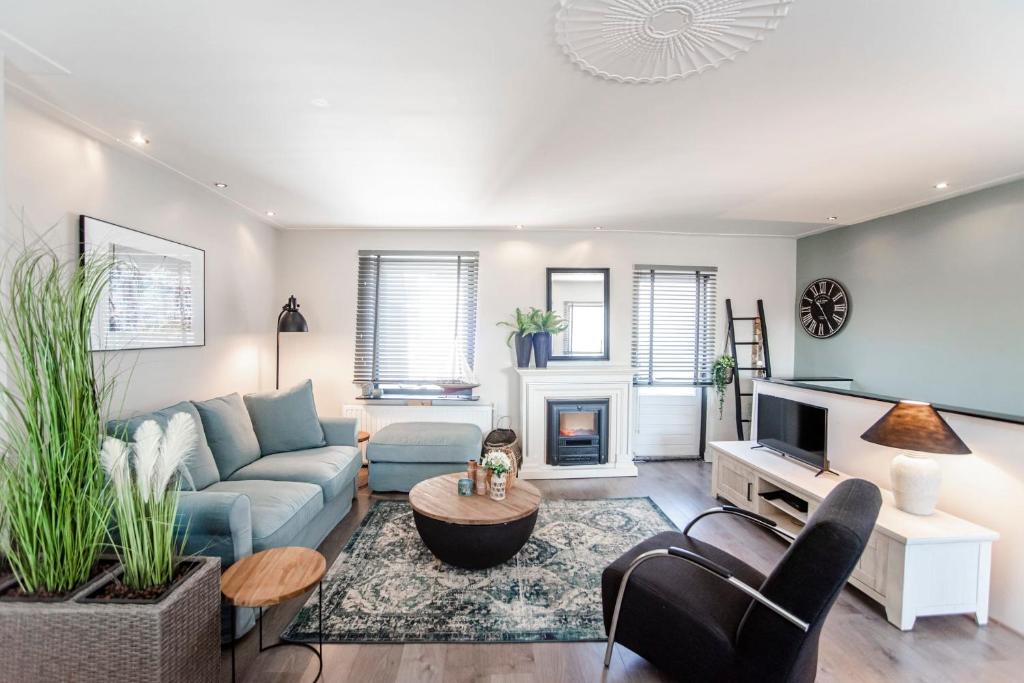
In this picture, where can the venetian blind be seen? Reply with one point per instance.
(673, 324)
(416, 316)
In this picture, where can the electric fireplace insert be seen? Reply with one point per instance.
(577, 432)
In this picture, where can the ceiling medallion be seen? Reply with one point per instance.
(652, 41)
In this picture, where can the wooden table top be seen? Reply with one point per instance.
(362, 437)
(272, 576)
(439, 499)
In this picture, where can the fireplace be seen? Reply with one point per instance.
(577, 432)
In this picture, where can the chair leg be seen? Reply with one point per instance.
(618, 600)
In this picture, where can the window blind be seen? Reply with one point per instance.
(416, 317)
(673, 324)
(148, 301)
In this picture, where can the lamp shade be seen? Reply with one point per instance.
(290, 319)
(915, 426)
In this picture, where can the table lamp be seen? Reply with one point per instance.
(915, 427)
(288, 320)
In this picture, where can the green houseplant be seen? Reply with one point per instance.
(522, 328)
(722, 371)
(56, 504)
(545, 324)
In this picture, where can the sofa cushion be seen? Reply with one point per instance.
(280, 509)
(286, 420)
(202, 468)
(229, 432)
(452, 442)
(330, 468)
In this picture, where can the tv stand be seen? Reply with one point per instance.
(897, 568)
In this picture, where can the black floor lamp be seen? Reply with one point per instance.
(289, 320)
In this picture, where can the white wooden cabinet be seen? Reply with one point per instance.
(914, 566)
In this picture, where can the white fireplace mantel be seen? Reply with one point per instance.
(584, 381)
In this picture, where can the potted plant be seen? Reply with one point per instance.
(722, 371)
(545, 324)
(58, 505)
(522, 332)
(499, 464)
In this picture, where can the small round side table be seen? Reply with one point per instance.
(269, 578)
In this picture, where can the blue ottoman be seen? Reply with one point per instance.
(403, 454)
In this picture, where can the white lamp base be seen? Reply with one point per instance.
(915, 483)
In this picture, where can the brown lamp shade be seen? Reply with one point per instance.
(915, 426)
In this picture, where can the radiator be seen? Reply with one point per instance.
(372, 418)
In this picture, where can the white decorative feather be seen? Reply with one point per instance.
(148, 441)
(179, 442)
(114, 458)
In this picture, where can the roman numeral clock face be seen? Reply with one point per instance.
(824, 307)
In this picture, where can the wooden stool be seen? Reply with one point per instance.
(269, 578)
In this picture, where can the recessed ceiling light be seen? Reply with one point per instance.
(320, 102)
(140, 139)
(222, 186)
(519, 227)
(832, 219)
(597, 227)
(941, 186)
(271, 213)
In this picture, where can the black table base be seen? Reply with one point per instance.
(320, 633)
(474, 546)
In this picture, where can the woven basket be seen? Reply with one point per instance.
(175, 639)
(507, 441)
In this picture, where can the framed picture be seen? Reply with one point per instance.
(155, 295)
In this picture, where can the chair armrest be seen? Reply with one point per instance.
(340, 431)
(707, 565)
(757, 519)
(218, 523)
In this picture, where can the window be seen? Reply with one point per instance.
(673, 324)
(416, 317)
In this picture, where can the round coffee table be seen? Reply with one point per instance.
(473, 532)
(270, 578)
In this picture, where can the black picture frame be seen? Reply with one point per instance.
(86, 240)
(606, 276)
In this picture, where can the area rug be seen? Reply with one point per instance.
(386, 587)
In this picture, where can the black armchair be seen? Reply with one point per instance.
(701, 614)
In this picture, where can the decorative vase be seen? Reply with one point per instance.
(541, 348)
(497, 486)
(524, 344)
(480, 479)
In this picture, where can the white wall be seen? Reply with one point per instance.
(986, 487)
(319, 267)
(54, 173)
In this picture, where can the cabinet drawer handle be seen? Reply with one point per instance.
(749, 484)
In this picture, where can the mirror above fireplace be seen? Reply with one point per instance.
(580, 296)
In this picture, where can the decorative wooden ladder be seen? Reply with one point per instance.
(760, 360)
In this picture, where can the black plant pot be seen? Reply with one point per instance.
(541, 348)
(524, 345)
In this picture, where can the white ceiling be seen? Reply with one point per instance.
(462, 113)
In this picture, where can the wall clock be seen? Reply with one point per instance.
(824, 308)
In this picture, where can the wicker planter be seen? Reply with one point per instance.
(176, 638)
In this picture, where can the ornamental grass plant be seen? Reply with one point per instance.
(54, 501)
(144, 478)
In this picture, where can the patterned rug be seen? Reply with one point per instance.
(386, 587)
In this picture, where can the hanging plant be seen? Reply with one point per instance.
(721, 375)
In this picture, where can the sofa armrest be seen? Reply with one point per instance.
(218, 523)
(340, 431)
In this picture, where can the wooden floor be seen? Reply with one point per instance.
(857, 643)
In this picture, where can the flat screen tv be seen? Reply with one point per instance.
(794, 429)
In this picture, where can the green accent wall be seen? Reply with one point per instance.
(937, 302)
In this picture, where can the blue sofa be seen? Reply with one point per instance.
(240, 500)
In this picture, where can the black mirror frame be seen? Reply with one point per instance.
(606, 272)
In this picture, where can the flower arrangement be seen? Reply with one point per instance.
(144, 477)
(498, 463)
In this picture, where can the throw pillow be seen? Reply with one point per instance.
(229, 432)
(286, 420)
